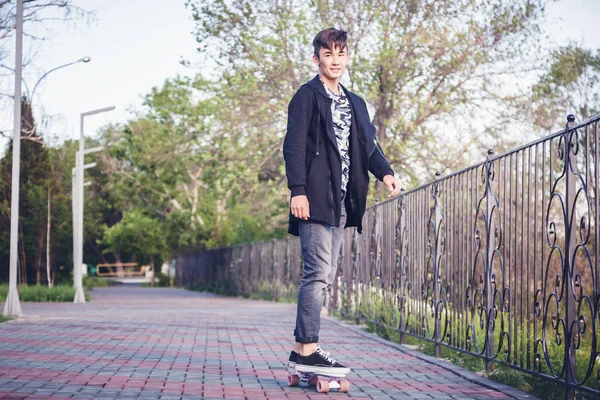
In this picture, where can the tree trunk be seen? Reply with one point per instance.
(153, 271)
(119, 268)
(48, 274)
(96, 250)
(23, 259)
(38, 257)
(381, 124)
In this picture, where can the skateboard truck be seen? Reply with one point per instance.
(323, 382)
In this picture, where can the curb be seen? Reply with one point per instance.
(463, 373)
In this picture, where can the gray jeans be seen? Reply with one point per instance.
(321, 245)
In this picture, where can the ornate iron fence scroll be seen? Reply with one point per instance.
(499, 260)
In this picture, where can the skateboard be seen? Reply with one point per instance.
(323, 382)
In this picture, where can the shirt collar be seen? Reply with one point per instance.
(331, 92)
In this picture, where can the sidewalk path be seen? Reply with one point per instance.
(162, 343)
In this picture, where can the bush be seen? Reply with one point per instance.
(61, 293)
(265, 291)
(90, 282)
(381, 316)
(162, 280)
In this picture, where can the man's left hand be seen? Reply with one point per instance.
(392, 184)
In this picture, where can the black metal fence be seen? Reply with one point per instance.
(499, 260)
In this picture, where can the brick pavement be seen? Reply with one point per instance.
(162, 343)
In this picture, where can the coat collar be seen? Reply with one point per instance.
(316, 84)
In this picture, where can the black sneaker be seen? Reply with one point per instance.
(320, 362)
(293, 360)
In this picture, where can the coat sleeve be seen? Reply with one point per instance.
(378, 164)
(300, 112)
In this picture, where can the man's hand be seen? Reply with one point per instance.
(392, 184)
(299, 207)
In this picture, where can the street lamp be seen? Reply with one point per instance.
(85, 59)
(77, 202)
(12, 306)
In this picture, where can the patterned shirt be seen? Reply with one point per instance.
(342, 117)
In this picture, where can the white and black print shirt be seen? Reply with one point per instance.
(342, 117)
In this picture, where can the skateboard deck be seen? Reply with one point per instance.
(323, 382)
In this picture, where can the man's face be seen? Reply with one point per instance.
(331, 63)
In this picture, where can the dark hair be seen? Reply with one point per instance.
(329, 39)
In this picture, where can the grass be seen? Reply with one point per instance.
(263, 291)
(370, 307)
(60, 293)
(90, 282)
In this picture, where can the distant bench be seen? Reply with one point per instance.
(121, 269)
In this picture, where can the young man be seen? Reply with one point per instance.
(329, 148)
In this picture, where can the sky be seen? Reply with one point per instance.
(134, 45)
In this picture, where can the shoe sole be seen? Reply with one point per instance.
(330, 371)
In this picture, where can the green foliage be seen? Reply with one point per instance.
(90, 282)
(201, 167)
(33, 203)
(137, 234)
(4, 319)
(265, 290)
(164, 280)
(197, 181)
(421, 66)
(570, 86)
(62, 293)
(378, 312)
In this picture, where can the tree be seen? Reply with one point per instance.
(33, 198)
(182, 165)
(423, 66)
(571, 85)
(136, 234)
(59, 226)
(204, 160)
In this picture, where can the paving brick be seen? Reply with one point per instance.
(132, 342)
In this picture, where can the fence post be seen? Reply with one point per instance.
(571, 144)
(355, 290)
(287, 268)
(438, 217)
(375, 283)
(490, 278)
(401, 258)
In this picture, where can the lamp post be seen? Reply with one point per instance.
(80, 166)
(12, 307)
(85, 59)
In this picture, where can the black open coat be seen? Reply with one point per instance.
(312, 159)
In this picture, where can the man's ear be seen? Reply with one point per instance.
(316, 60)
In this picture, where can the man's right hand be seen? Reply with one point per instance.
(299, 207)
